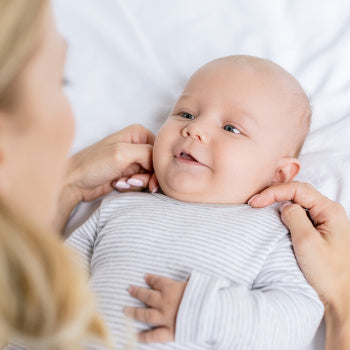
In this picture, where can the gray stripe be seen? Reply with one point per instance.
(245, 289)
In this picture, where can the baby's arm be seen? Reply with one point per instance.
(83, 238)
(280, 311)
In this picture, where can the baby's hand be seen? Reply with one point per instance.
(163, 301)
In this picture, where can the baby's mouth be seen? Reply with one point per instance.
(187, 156)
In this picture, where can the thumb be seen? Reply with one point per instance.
(140, 154)
(300, 226)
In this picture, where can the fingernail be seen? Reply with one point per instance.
(122, 185)
(252, 198)
(155, 189)
(126, 311)
(284, 205)
(130, 289)
(135, 182)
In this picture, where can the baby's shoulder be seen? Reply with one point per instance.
(116, 199)
(270, 214)
(115, 203)
(267, 221)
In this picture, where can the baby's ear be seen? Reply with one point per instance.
(286, 170)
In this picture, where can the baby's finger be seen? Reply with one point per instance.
(158, 282)
(147, 315)
(156, 335)
(148, 296)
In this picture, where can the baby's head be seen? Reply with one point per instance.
(237, 128)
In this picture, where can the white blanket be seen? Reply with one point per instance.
(129, 60)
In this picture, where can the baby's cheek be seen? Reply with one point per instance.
(159, 165)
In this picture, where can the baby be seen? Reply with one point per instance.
(231, 280)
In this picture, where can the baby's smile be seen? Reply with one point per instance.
(187, 158)
(229, 135)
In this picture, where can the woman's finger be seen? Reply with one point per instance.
(320, 207)
(125, 184)
(148, 296)
(135, 183)
(325, 213)
(301, 193)
(139, 180)
(135, 133)
(153, 184)
(121, 185)
(129, 153)
(296, 219)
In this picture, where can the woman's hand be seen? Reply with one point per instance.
(322, 249)
(92, 172)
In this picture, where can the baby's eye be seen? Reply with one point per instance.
(231, 128)
(186, 115)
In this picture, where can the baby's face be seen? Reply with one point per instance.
(225, 136)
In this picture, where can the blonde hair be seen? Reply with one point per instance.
(45, 301)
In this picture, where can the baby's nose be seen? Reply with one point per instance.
(196, 132)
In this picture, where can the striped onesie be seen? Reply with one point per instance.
(245, 290)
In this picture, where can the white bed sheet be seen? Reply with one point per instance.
(129, 60)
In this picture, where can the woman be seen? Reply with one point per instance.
(44, 299)
(322, 249)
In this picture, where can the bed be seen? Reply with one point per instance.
(128, 62)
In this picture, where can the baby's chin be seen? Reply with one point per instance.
(201, 197)
(184, 197)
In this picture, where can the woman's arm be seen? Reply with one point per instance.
(68, 199)
(337, 328)
(92, 172)
(322, 249)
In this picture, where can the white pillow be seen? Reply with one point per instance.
(129, 60)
